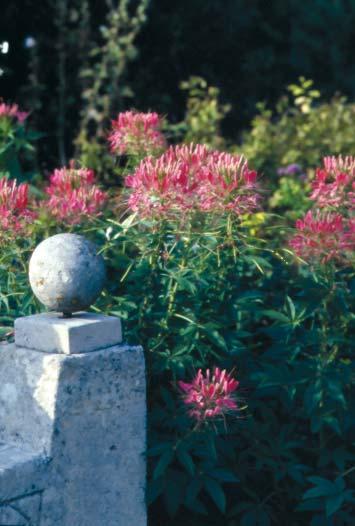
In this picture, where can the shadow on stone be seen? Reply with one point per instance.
(72, 429)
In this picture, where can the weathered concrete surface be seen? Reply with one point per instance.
(29, 383)
(66, 273)
(52, 333)
(23, 473)
(98, 448)
(77, 422)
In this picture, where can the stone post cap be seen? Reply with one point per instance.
(66, 273)
(50, 333)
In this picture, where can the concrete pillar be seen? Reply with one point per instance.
(73, 413)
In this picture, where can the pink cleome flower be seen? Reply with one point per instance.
(14, 212)
(12, 111)
(210, 395)
(136, 133)
(74, 196)
(192, 177)
(349, 235)
(324, 237)
(334, 184)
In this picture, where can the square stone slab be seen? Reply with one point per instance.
(84, 332)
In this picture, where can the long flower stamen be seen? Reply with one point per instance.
(192, 177)
(73, 195)
(210, 396)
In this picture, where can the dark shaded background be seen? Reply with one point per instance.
(250, 49)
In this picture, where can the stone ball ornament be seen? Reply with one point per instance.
(66, 273)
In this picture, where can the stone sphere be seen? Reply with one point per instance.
(66, 273)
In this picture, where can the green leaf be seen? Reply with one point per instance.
(276, 315)
(186, 460)
(193, 489)
(211, 450)
(334, 503)
(214, 489)
(164, 461)
(154, 490)
(323, 488)
(340, 483)
(216, 338)
(174, 492)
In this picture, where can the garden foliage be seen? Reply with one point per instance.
(67, 58)
(204, 113)
(247, 324)
(300, 131)
(16, 148)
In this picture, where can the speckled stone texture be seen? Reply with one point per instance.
(72, 436)
(52, 333)
(66, 273)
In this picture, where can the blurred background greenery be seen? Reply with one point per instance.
(64, 53)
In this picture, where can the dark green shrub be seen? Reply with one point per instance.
(300, 131)
(202, 281)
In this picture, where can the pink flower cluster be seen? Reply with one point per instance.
(74, 195)
(210, 395)
(12, 111)
(328, 232)
(334, 184)
(192, 177)
(136, 133)
(14, 211)
(324, 237)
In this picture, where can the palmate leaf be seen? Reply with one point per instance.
(262, 264)
(291, 307)
(164, 461)
(323, 488)
(194, 488)
(334, 503)
(192, 501)
(174, 491)
(215, 490)
(215, 337)
(185, 460)
(335, 391)
(154, 489)
(276, 315)
(326, 494)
